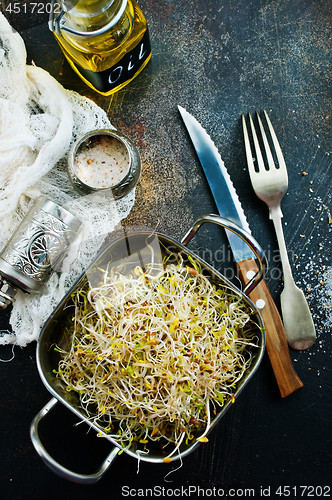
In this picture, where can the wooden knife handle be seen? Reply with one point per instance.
(276, 342)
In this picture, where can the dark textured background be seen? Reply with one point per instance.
(218, 59)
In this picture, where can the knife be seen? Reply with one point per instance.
(229, 206)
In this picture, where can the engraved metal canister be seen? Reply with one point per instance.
(36, 248)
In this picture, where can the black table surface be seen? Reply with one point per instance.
(217, 59)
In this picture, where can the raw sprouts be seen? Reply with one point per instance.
(154, 353)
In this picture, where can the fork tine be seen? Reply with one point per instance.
(259, 157)
(268, 153)
(249, 156)
(276, 144)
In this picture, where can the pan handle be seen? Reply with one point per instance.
(244, 235)
(54, 465)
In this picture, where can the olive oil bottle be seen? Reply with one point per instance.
(105, 41)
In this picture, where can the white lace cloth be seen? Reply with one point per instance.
(39, 120)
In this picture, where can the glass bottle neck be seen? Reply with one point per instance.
(88, 17)
(85, 8)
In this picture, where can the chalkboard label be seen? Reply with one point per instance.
(125, 69)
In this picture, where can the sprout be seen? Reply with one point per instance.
(151, 351)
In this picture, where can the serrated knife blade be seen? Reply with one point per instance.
(223, 191)
(229, 206)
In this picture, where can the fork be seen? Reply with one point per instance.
(270, 184)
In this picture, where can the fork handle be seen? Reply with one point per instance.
(298, 323)
(276, 342)
(276, 216)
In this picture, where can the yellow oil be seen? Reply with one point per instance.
(100, 52)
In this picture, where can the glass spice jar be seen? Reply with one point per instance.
(105, 41)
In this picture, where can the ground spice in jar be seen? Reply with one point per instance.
(102, 162)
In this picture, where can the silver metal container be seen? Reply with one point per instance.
(131, 247)
(36, 249)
